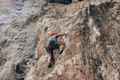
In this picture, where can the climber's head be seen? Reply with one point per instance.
(51, 33)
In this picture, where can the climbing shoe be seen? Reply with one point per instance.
(51, 64)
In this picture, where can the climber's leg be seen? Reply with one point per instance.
(52, 59)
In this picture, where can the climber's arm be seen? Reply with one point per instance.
(60, 34)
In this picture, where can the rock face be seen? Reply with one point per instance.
(92, 43)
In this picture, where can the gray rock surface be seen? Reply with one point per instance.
(92, 43)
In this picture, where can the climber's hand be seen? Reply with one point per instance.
(66, 33)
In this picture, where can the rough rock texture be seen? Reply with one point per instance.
(92, 44)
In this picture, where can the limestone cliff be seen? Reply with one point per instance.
(92, 43)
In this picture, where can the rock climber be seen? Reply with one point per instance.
(55, 42)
